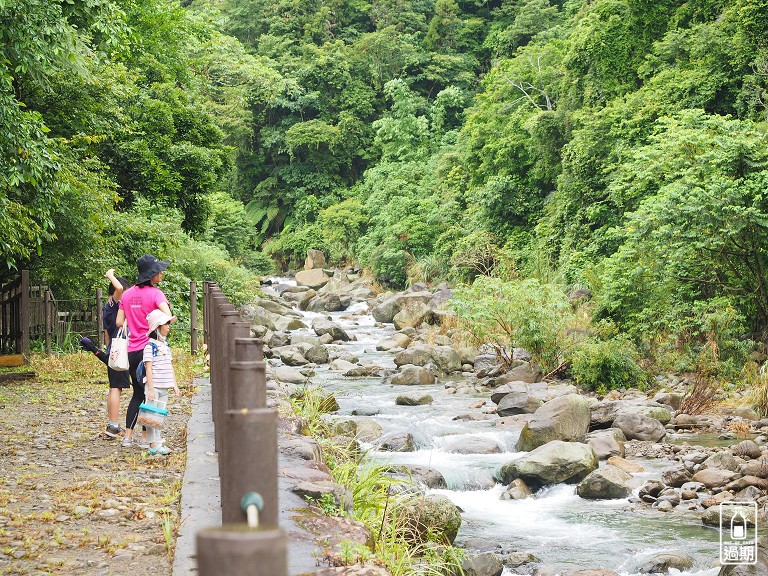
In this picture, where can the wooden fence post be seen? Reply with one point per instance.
(193, 316)
(47, 320)
(24, 313)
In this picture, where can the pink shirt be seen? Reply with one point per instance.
(136, 303)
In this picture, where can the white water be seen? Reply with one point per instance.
(562, 530)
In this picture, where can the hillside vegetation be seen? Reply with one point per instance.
(612, 145)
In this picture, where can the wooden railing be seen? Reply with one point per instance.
(33, 314)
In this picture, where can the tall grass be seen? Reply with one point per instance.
(377, 500)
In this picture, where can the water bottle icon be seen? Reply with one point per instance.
(738, 526)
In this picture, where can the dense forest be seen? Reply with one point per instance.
(617, 146)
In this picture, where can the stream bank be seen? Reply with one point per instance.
(459, 434)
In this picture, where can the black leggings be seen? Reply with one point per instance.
(134, 358)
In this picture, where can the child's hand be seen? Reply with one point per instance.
(151, 394)
(176, 391)
(109, 273)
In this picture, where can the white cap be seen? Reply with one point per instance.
(157, 318)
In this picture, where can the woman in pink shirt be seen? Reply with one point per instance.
(136, 303)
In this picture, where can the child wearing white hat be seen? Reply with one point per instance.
(159, 370)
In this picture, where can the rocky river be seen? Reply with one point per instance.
(547, 480)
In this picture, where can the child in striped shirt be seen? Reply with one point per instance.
(159, 371)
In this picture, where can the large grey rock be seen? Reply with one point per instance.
(411, 315)
(636, 426)
(325, 302)
(484, 564)
(661, 562)
(518, 403)
(257, 315)
(552, 463)
(413, 399)
(471, 445)
(290, 355)
(564, 418)
(431, 477)
(413, 376)
(314, 278)
(605, 412)
(714, 477)
(606, 483)
(315, 259)
(317, 354)
(385, 311)
(431, 515)
(322, 326)
(341, 365)
(288, 374)
(277, 308)
(418, 355)
(607, 443)
(446, 359)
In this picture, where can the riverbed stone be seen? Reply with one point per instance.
(401, 441)
(290, 355)
(661, 562)
(386, 310)
(314, 278)
(518, 403)
(446, 359)
(606, 483)
(431, 477)
(676, 476)
(418, 355)
(723, 460)
(289, 375)
(315, 259)
(517, 490)
(552, 463)
(607, 443)
(410, 375)
(525, 371)
(411, 314)
(637, 426)
(414, 399)
(317, 354)
(626, 465)
(564, 418)
(316, 490)
(590, 572)
(322, 326)
(472, 445)
(713, 477)
(429, 515)
(483, 564)
(341, 365)
(325, 302)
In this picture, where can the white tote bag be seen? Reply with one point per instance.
(118, 350)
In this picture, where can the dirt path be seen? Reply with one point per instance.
(71, 500)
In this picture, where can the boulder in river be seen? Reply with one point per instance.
(429, 515)
(606, 483)
(563, 418)
(552, 463)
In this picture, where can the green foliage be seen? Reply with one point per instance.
(510, 314)
(699, 229)
(603, 365)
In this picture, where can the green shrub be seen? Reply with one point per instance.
(389, 266)
(258, 262)
(524, 314)
(603, 365)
